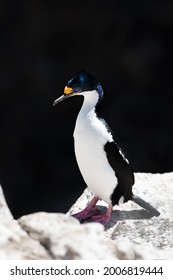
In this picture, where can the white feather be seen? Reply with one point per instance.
(121, 200)
(90, 136)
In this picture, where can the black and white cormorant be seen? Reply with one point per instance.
(102, 163)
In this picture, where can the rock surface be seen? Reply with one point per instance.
(130, 222)
(14, 241)
(65, 238)
(131, 234)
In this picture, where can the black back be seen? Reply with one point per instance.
(123, 172)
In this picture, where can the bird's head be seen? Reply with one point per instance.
(79, 85)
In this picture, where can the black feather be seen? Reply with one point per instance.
(125, 176)
(123, 172)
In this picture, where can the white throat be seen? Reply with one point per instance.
(90, 100)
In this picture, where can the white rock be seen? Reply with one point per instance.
(4, 210)
(15, 242)
(131, 234)
(65, 238)
(131, 223)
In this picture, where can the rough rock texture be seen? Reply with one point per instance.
(131, 234)
(65, 238)
(130, 222)
(15, 242)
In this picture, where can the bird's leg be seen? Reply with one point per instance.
(103, 218)
(89, 211)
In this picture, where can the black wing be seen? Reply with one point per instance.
(125, 177)
(121, 165)
(123, 171)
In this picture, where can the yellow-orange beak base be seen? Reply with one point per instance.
(68, 90)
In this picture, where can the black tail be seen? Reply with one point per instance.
(145, 205)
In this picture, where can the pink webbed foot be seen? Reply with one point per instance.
(88, 212)
(104, 218)
(85, 214)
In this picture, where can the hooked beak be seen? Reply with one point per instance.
(68, 91)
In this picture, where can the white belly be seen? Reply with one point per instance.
(92, 160)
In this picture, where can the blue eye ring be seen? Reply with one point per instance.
(76, 90)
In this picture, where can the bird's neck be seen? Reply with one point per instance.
(91, 99)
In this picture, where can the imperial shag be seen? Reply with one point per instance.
(102, 163)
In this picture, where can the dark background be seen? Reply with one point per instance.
(126, 44)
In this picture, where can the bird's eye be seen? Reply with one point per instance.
(76, 89)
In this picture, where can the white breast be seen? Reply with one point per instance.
(90, 136)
